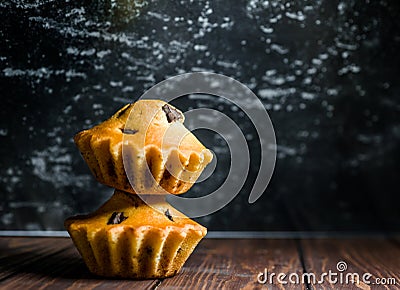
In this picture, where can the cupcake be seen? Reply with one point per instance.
(144, 148)
(128, 238)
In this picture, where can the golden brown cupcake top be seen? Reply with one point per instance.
(150, 122)
(130, 211)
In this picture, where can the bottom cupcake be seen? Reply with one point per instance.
(127, 238)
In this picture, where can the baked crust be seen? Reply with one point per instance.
(144, 242)
(160, 154)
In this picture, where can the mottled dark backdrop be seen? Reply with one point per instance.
(327, 71)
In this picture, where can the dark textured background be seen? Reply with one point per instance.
(327, 71)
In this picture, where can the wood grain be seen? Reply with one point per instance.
(54, 263)
(18, 253)
(378, 256)
(235, 264)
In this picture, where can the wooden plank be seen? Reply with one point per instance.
(17, 253)
(14, 245)
(378, 256)
(54, 263)
(395, 240)
(235, 264)
(57, 267)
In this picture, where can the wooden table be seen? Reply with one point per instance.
(54, 263)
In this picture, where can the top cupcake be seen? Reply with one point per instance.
(144, 148)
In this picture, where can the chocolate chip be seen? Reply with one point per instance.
(172, 114)
(168, 215)
(116, 218)
(129, 131)
(149, 250)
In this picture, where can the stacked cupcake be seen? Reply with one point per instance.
(143, 151)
